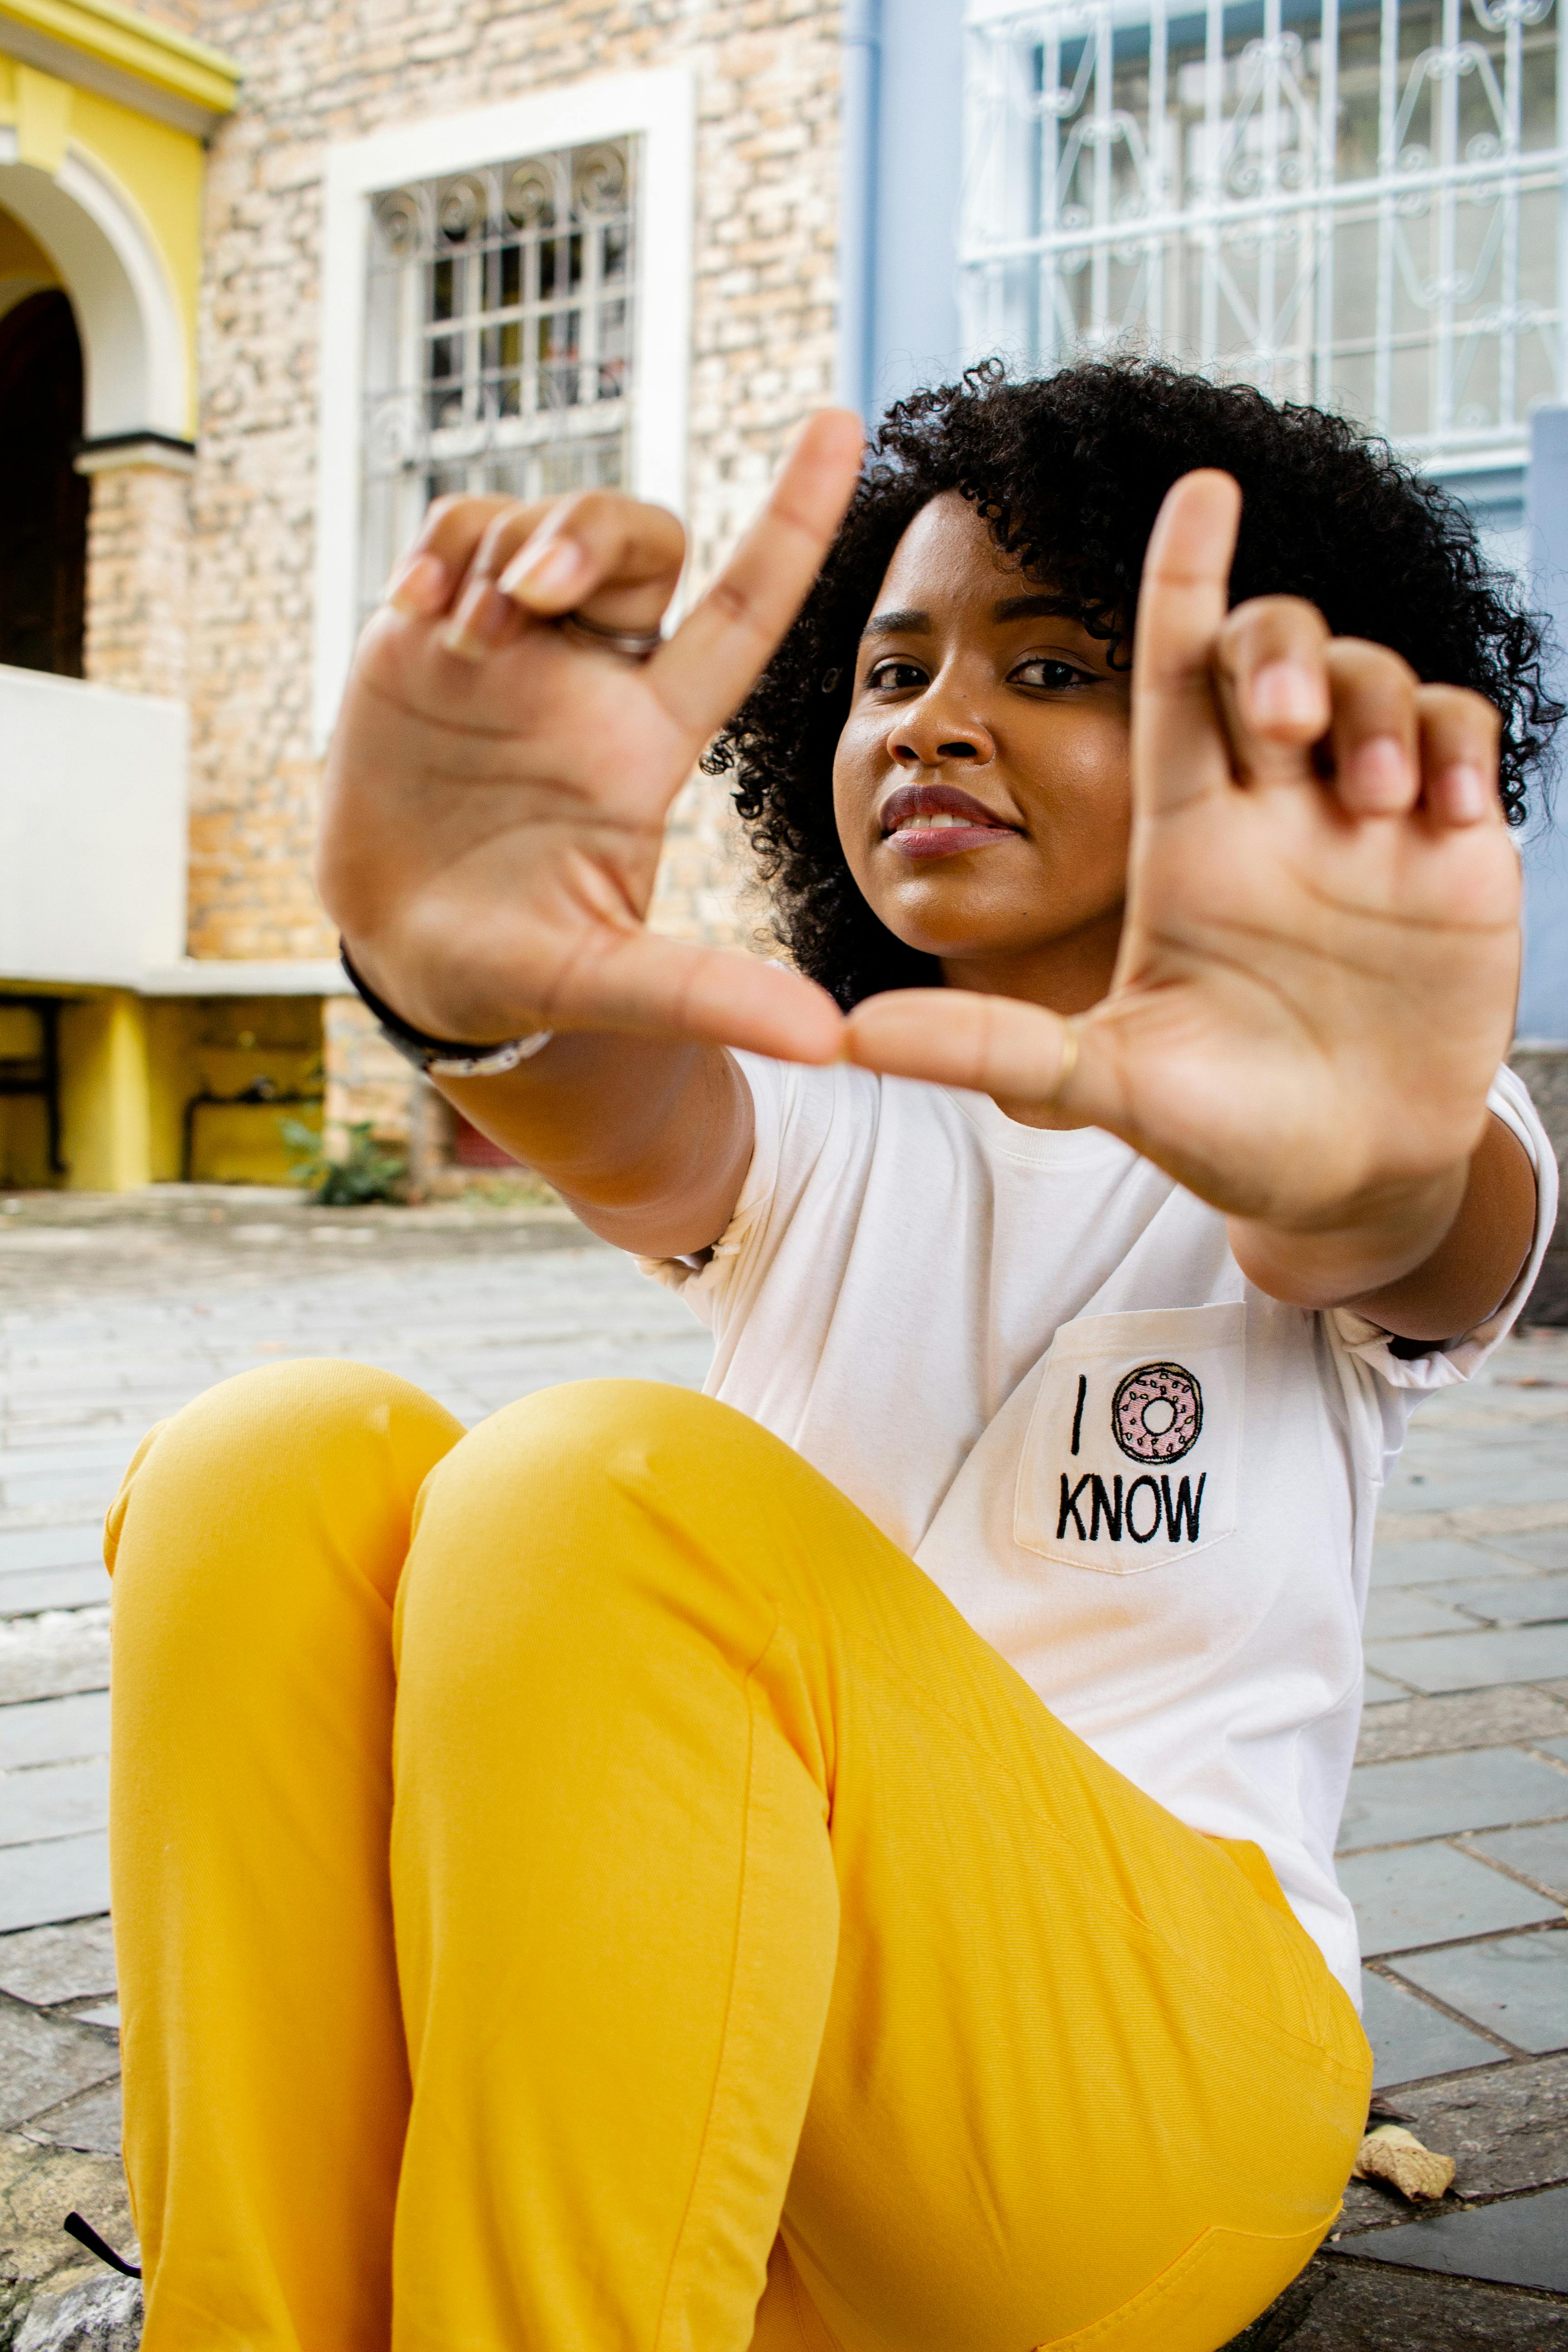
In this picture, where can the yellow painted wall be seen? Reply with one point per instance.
(129, 1068)
(157, 169)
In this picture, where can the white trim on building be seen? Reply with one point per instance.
(658, 109)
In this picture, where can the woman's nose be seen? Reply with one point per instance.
(926, 734)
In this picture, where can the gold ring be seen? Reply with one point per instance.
(1069, 1062)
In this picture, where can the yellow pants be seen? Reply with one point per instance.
(577, 1881)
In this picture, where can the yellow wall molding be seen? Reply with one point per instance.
(43, 115)
(121, 37)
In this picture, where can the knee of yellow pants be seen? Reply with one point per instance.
(324, 1446)
(621, 1484)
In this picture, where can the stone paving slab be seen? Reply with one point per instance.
(1466, 1719)
(59, 1878)
(49, 1965)
(1433, 1796)
(1436, 1563)
(54, 1730)
(1515, 1985)
(1411, 1895)
(1410, 2037)
(1539, 1853)
(53, 1800)
(1452, 1662)
(41, 2056)
(1512, 1600)
(1522, 2242)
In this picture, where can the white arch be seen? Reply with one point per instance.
(133, 335)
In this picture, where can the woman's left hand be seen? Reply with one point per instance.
(1320, 958)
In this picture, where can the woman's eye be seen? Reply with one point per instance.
(1042, 671)
(894, 676)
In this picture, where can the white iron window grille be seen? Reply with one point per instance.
(499, 339)
(1361, 207)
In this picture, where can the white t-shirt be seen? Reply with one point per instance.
(1030, 1358)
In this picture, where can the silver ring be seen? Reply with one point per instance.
(635, 645)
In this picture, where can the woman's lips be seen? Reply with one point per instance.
(938, 821)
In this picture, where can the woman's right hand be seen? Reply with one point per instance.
(496, 790)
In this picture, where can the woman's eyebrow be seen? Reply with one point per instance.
(1033, 608)
(908, 623)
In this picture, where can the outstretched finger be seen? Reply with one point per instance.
(705, 670)
(954, 1038)
(640, 981)
(1179, 749)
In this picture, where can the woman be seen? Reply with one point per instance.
(853, 1870)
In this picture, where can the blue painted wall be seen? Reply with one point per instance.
(903, 185)
(1543, 997)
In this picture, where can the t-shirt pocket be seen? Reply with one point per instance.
(1134, 1449)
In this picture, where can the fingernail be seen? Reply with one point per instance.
(546, 569)
(1379, 774)
(1465, 793)
(1286, 694)
(476, 623)
(418, 585)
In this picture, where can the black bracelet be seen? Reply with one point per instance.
(441, 1058)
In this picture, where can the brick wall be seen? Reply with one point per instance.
(763, 350)
(138, 555)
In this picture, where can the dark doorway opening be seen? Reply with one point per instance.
(43, 498)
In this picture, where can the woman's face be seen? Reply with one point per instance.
(982, 781)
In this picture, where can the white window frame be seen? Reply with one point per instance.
(656, 107)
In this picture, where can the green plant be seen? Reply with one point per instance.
(368, 1172)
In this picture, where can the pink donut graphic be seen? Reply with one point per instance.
(1157, 1412)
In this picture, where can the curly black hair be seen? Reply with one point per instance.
(1068, 471)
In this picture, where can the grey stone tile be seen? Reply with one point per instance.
(54, 1730)
(1516, 1986)
(43, 2060)
(1376, 1690)
(105, 2012)
(1410, 2039)
(1506, 2127)
(45, 1965)
(43, 1657)
(50, 1800)
(1512, 1600)
(78, 1545)
(1453, 1662)
(1433, 1796)
(1344, 2306)
(51, 1587)
(1547, 1549)
(1485, 1718)
(1539, 1853)
(91, 2122)
(1554, 1748)
(1432, 1561)
(1419, 1895)
(1521, 2241)
(1394, 1611)
(59, 1878)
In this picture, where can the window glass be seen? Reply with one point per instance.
(499, 349)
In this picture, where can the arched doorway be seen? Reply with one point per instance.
(43, 498)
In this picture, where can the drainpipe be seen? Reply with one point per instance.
(859, 73)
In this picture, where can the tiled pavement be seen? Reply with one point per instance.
(1455, 1844)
